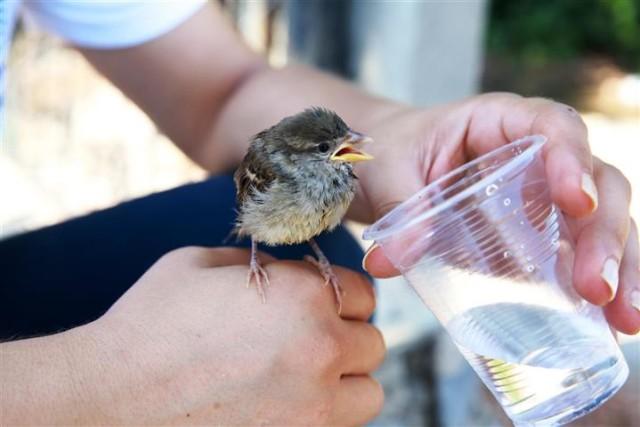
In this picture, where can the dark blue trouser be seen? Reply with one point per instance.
(69, 274)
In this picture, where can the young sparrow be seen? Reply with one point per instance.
(295, 182)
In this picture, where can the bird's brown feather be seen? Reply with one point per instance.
(252, 175)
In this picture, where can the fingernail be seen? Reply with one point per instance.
(366, 255)
(635, 299)
(610, 275)
(589, 188)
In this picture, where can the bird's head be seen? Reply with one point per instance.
(319, 135)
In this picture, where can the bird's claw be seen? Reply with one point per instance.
(329, 278)
(261, 276)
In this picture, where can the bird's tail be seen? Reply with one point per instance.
(235, 235)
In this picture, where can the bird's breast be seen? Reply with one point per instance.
(293, 212)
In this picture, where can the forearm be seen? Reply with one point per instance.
(210, 93)
(52, 380)
(271, 94)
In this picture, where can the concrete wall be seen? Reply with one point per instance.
(420, 52)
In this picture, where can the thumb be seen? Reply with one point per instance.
(376, 263)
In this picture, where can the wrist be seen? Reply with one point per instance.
(379, 112)
(110, 379)
(51, 380)
(97, 372)
(393, 129)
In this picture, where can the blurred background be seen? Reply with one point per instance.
(74, 144)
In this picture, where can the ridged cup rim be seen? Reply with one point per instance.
(376, 233)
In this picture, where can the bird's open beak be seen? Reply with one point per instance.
(346, 152)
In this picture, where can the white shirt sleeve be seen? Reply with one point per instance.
(110, 24)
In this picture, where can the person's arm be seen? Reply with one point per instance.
(204, 87)
(50, 380)
(210, 93)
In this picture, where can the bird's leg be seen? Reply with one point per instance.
(257, 271)
(323, 265)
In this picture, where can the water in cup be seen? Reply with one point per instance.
(560, 366)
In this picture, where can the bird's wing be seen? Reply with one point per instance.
(252, 175)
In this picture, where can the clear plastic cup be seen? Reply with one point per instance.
(491, 256)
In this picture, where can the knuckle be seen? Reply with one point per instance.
(328, 350)
(501, 96)
(615, 237)
(318, 353)
(540, 100)
(183, 253)
(562, 108)
(496, 98)
(174, 260)
(543, 107)
(553, 111)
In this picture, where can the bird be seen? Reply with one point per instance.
(295, 182)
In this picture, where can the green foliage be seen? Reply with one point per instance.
(541, 31)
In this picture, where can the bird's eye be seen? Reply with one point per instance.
(323, 147)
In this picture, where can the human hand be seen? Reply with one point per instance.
(414, 147)
(188, 343)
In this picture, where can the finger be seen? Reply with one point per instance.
(358, 299)
(376, 263)
(502, 118)
(363, 348)
(358, 400)
(568, 159)
(602, 239)
(624, 312)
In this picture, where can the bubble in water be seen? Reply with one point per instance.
(506, 202)
(506, 254)
(528, 258)
(529, 268)
(521, 222)
(491, 189)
